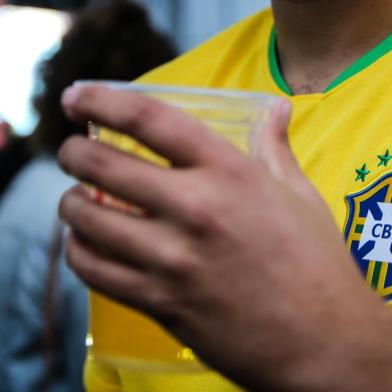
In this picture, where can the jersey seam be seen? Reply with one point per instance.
(359, 67)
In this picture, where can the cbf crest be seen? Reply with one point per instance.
(368, 233)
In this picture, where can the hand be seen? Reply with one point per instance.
(238, 257)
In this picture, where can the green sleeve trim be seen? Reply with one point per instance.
(365, 61)
(274, 64)
(368, 59)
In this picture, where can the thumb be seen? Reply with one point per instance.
(271, 147)
(270, 144)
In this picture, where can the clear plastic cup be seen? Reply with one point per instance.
(122, 337)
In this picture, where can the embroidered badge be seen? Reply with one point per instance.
(368, 232)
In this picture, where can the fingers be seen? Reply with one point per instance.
(145, 242)
(169, 132)
(272, 145)
(121, 282)
(273, 148)
(120, 174)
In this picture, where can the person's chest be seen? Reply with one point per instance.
(343, 141)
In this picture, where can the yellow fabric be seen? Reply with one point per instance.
(101, 378)
(332, 134)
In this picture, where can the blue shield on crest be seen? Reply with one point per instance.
(368, 233)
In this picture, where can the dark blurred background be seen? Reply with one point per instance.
(28, 35)
(54, 4)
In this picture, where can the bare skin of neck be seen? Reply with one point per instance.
(319, 39)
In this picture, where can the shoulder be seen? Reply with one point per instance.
(196, 67)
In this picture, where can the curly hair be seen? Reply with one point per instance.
(114, 42)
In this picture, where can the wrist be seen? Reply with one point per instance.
(352, 357)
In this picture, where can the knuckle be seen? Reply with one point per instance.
(163, 305)
(85, 96)
(171, 254)
(94, 163)
(85, 159)
(236, 169)
(142, 109)
(73, 258)
(205, 212)
(188, 271)
(178, 260)
(70, 206)
(89, 274)
(78, 212)
(85, 220)
(158, 299)
(82, 264)
(69, 254)
(81, 99)
(63, 205)
(65, 153)
(197, 209)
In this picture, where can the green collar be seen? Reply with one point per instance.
(369, 58)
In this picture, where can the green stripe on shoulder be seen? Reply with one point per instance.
(365, 61)
(369, 58)
(274, 64)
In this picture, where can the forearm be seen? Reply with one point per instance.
(352, 354)
(360, 358)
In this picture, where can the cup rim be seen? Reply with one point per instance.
(183, 90)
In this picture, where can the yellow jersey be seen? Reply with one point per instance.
(343, 142)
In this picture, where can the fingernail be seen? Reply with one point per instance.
(285, 108)
(69, 95)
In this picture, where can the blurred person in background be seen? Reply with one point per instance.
(43, 308)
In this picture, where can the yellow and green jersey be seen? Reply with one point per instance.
(341, 137)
